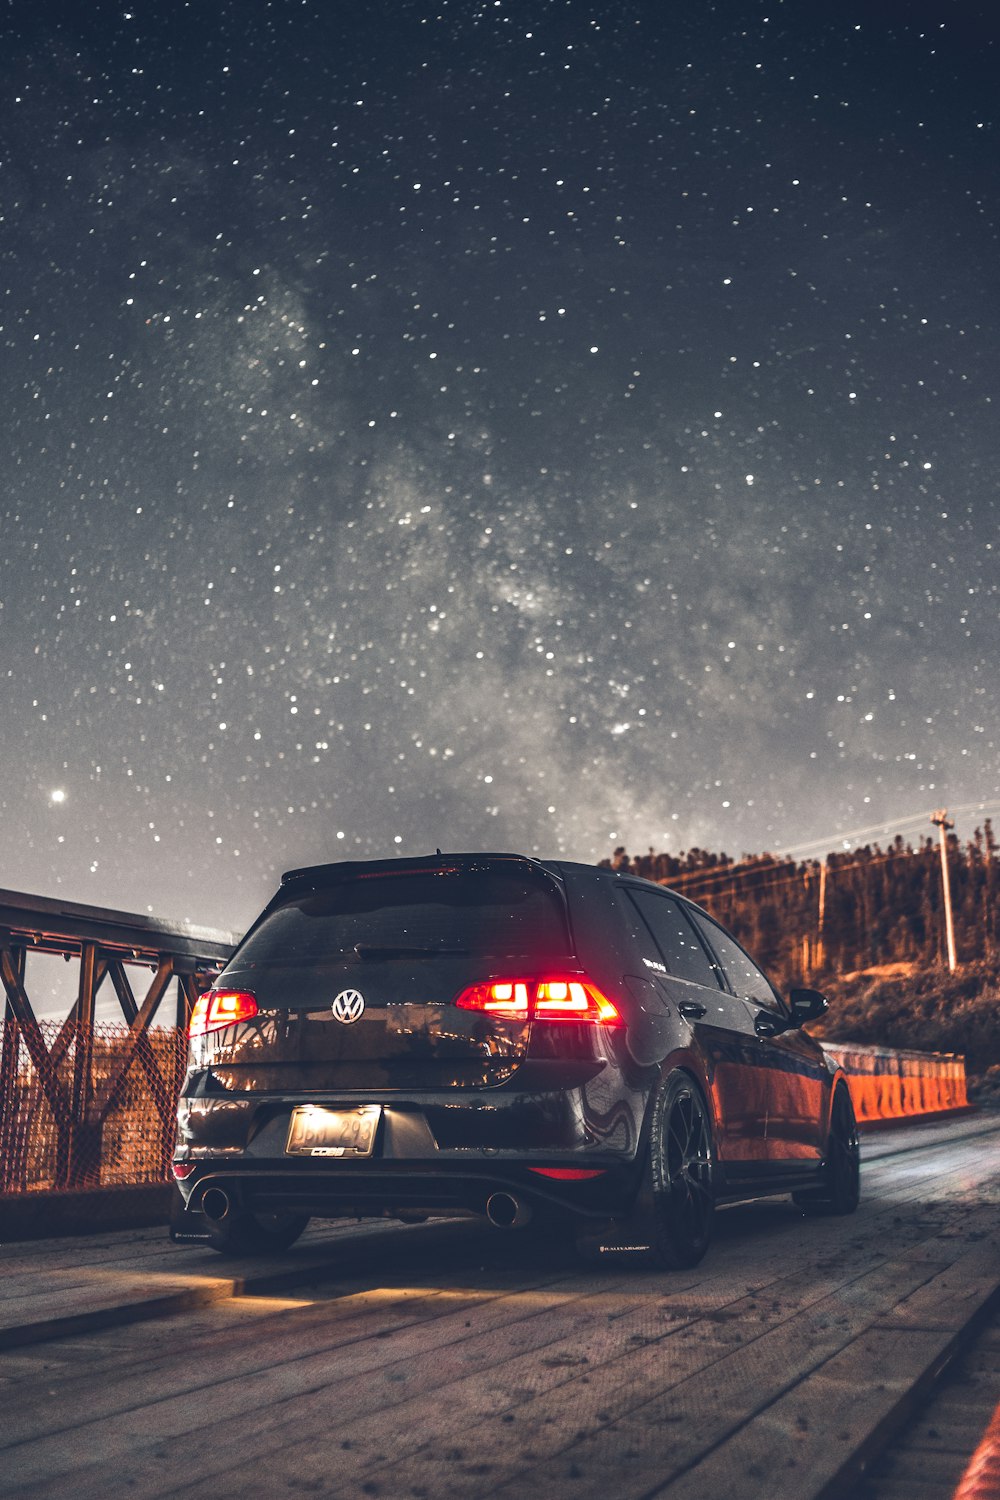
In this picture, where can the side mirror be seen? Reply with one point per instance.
(807, 1005)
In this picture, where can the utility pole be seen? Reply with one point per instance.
(989, 916)
(941, 821)
(821, 919)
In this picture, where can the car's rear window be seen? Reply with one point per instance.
(486, 913)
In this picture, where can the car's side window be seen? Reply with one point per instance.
(675, 937)
(743, 974)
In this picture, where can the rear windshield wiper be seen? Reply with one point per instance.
(401, 950)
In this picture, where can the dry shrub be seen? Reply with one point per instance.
(928, 1009)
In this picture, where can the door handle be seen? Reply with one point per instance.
(692, 1010)
(766, 1025)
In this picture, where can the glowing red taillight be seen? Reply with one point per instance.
(507, 998)
(182, 1169)
(550, 998)
(574, 1000)
(220, 1008)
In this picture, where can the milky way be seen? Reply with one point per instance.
(537, 426)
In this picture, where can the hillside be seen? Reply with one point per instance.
(867, 927)
(853, 910)
(928, 1009)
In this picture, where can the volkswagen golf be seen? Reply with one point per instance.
(502, 1036)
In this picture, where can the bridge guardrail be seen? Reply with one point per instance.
(69, 1088)
(126, 1136)
(89, 1104)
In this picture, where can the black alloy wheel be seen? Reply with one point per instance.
(840, 1191)
(680, 1164)
(242, 1232)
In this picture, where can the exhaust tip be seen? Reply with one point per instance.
(215, 1204)
(507, 1212)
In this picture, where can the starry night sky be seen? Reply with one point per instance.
(538, 426)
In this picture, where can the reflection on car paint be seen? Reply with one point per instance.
(473, 1103)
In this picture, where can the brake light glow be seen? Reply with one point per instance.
(182, 1169)
(220, 1008)
(550, 998)
(568, 1174)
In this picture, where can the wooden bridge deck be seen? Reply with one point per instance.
(450, 1361)
(928, 1457)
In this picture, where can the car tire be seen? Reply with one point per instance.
(680, 1173)
(840, 1189)
(245, 1233)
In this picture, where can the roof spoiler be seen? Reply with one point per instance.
(351, 869)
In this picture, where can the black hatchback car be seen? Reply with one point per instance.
(497, 1035)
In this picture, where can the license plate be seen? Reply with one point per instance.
(333, 1132)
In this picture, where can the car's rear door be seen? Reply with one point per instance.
(721, 1025)
(790, 1068)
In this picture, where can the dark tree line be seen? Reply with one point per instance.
(855, 910)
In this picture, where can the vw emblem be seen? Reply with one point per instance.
(348, 1005)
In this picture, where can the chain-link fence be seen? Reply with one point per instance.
(100, 1112)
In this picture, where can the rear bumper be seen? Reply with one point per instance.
(432, 1154)
(596, 1116)
(347, 1190)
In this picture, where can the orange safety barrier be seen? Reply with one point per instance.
(981, 1480)
(886, 1084)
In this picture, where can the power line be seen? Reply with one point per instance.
(888, 826)
(738, 874)
(705, 879)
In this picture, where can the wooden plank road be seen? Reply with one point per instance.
(61, 1287)
(451, 1361)
(932, 1452)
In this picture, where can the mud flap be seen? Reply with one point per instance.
(629, 1236)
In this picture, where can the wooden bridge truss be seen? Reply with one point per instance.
(105, 945)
